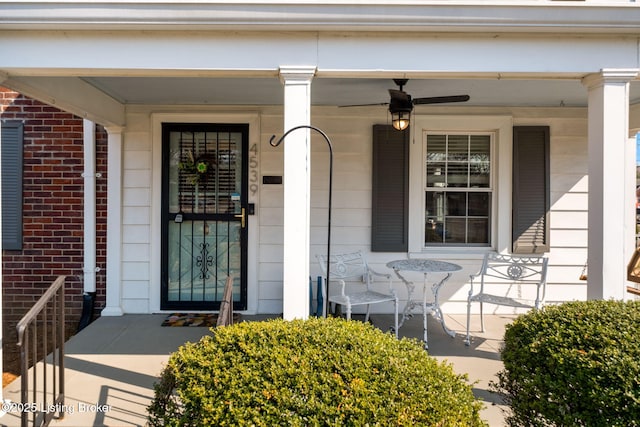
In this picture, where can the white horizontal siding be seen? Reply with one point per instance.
(569, 201)
(562, 183)
(271, 235)
(135, 215)
(270, 246)
(136, 197)
(271, 254)
(137, 159)
(133, 178)
(271, 216)
(135, 234)
(136, 271)
(135, 289)
(569, 204)
(569, 164)
(569, 219)
(350, 132)
(568, 215)
(133, 252)
(136, 305)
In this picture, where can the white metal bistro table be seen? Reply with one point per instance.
(424, 266)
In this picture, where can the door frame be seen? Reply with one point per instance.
(253, 221)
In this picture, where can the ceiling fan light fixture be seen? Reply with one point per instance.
(400, 120)
(401, 104)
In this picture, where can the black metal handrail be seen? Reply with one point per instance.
(47, 314)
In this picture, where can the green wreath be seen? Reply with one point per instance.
(197, 168)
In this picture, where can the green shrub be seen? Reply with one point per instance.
(318, 372)
(576, 364)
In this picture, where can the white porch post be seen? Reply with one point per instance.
(114, 222)
(611, 219)
(297, 183)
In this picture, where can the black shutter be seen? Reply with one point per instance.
(531, 194)
(390, 190)
(11, 141)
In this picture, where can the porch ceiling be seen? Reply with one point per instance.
(341, 91)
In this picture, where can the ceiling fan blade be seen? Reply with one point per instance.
(441, 99)
(364, 105)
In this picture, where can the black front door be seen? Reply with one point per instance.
(204, 201)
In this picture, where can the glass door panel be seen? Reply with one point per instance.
(203, 254)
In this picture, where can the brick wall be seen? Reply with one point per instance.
(53, 191)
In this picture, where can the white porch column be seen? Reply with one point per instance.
(297, 184)
(114, 223)
(611, 205)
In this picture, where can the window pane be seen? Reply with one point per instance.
(479, 204)
(433, 231)
(458, 158)
(479, 175)
(478, 230)
(436, 160)
(436, 148)
(435, 204)
(456, 204)
(457, 174)
(458, 148)
(479, 146)
(436, 174)
(455, 230)
(479, 161)
(435, 211)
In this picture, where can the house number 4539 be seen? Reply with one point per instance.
(253, 169)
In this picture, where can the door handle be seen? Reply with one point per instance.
(242, 216)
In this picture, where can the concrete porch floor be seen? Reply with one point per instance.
(116, 360)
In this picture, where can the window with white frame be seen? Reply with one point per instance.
(458, 189)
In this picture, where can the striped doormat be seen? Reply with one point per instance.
(194, 319)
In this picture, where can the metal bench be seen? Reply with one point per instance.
(507, 280)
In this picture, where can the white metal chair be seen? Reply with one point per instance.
(508, 280)
(354, 266)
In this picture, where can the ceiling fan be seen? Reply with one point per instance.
(401, 104)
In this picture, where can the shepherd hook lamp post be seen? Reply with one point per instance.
(326, 138)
